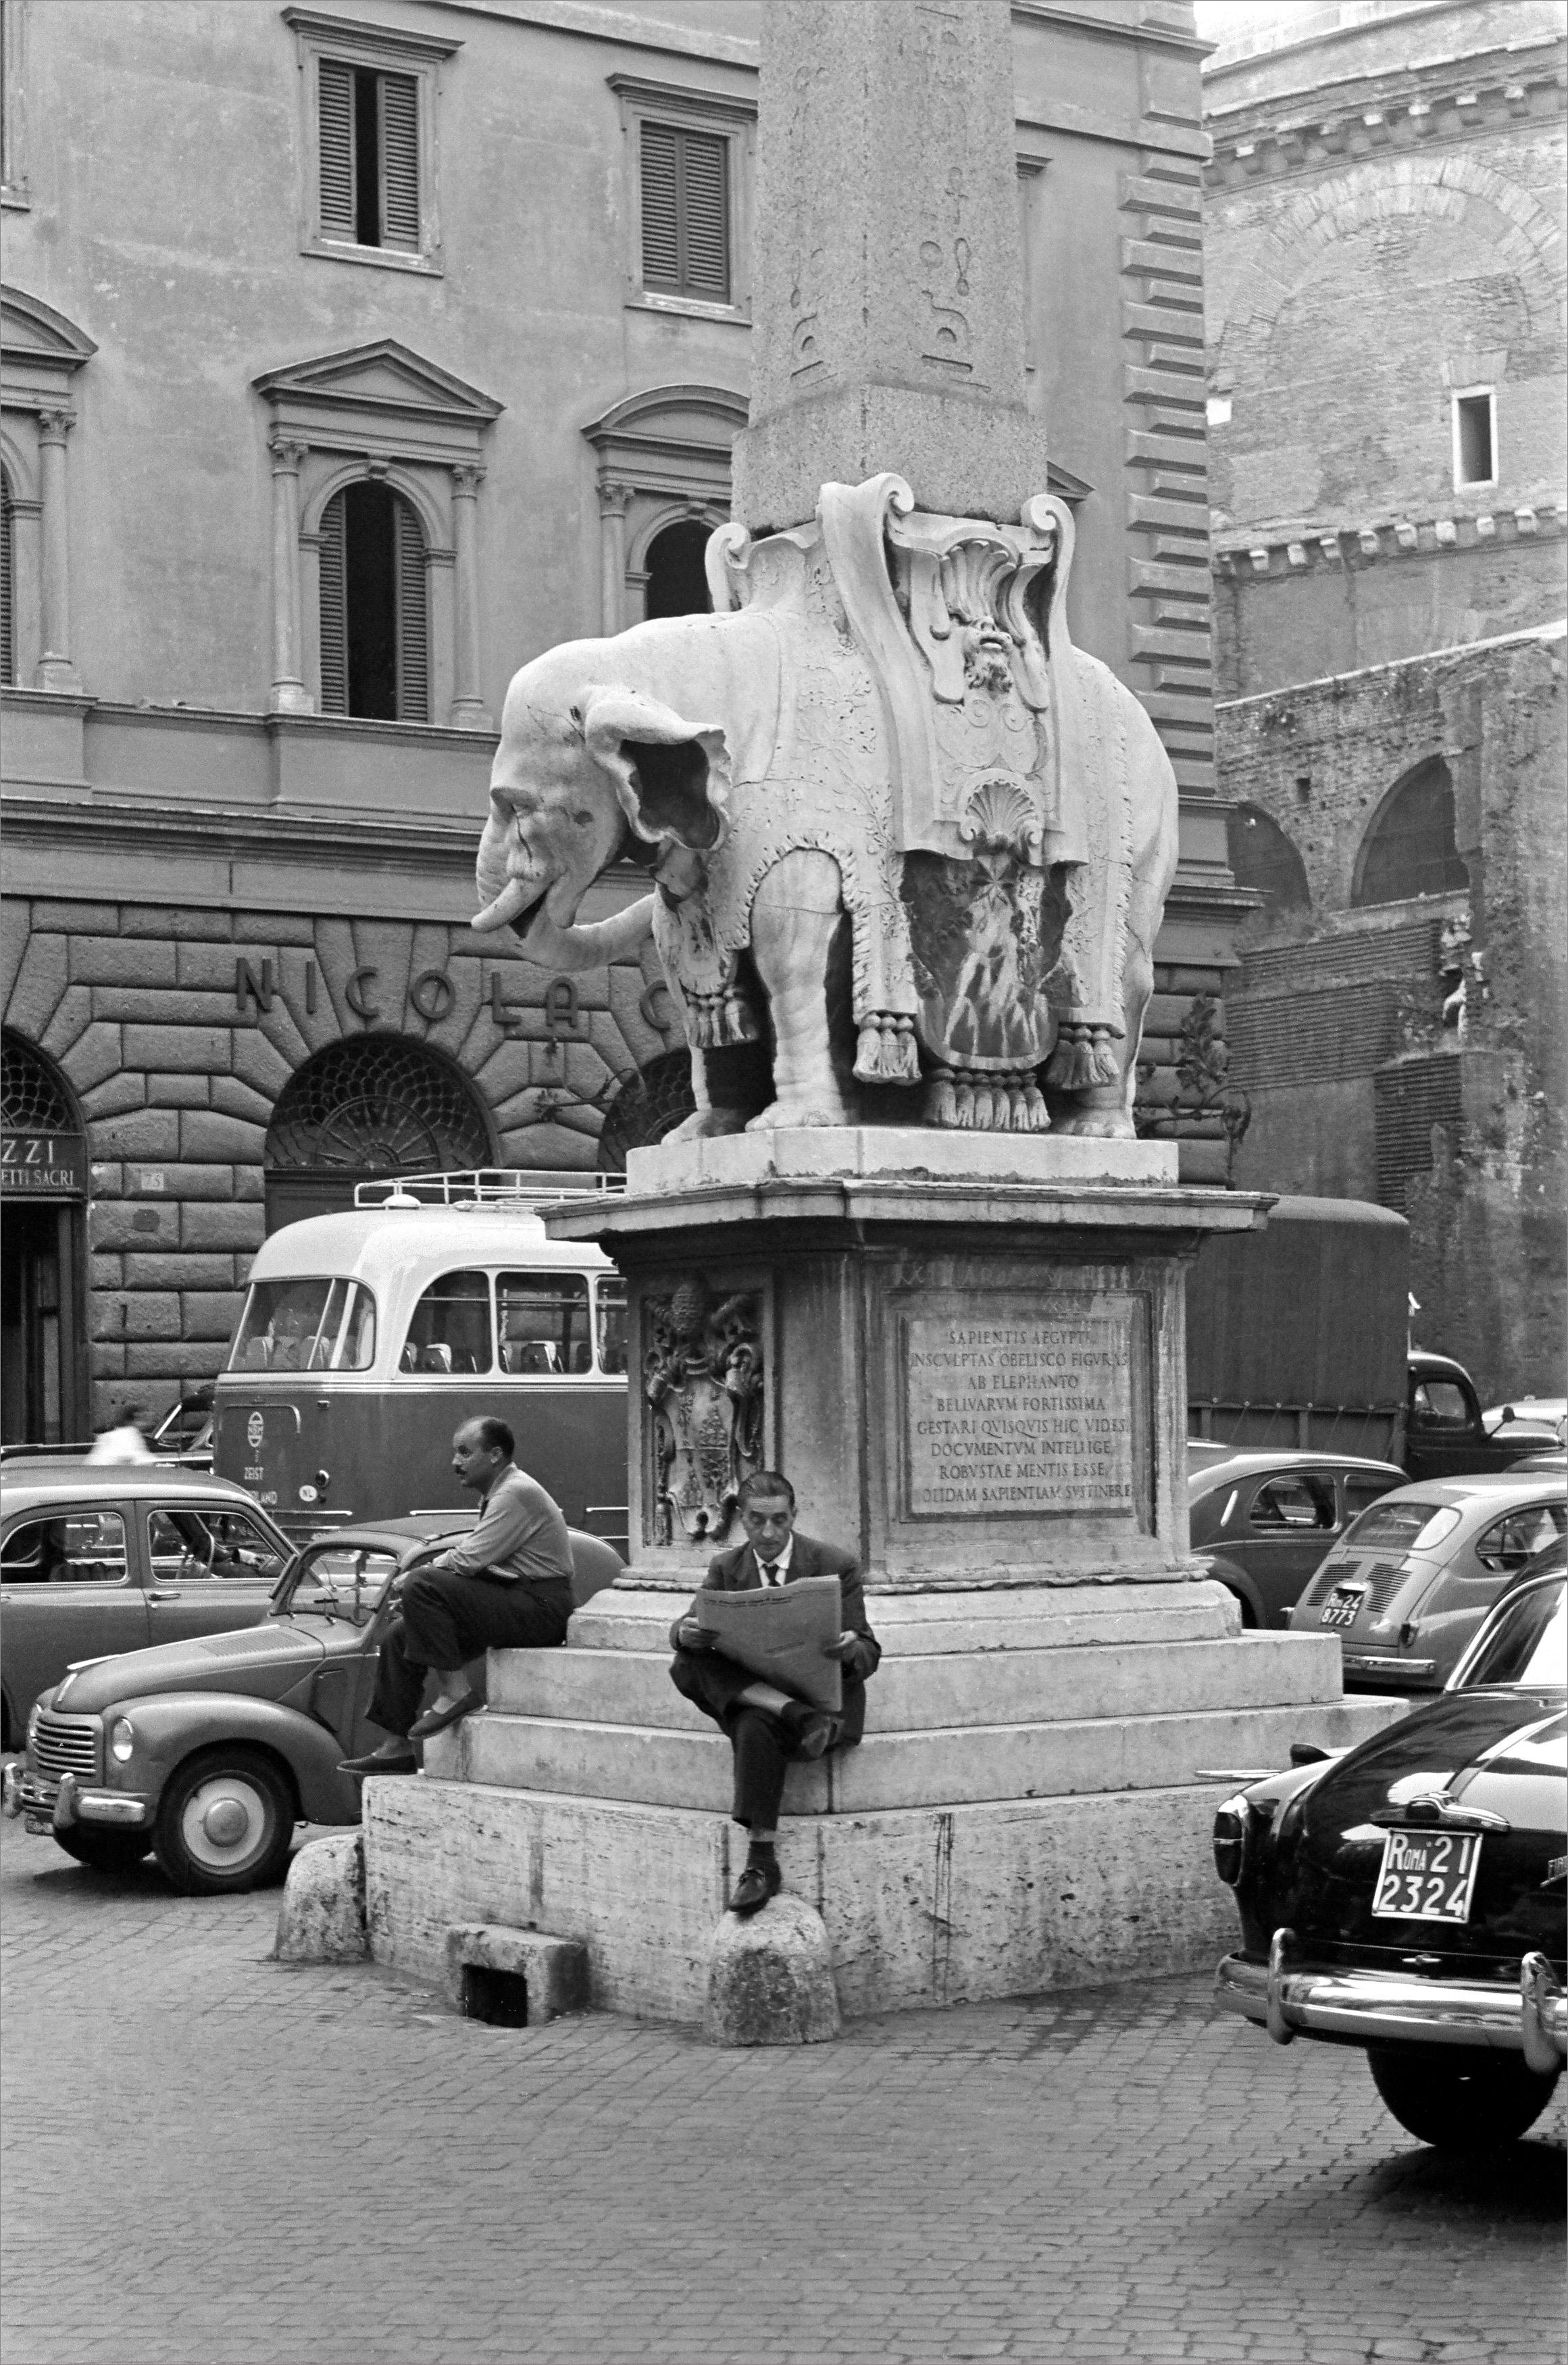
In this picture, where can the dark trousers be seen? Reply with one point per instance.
(447, 1620)
(762, 1746)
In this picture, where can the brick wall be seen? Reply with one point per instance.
(1359, 1085)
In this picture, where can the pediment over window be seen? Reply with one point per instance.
(670, 437)
(40, 351)
(379, 398)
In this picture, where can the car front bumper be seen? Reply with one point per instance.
(1362, 2007)
(53, 1803)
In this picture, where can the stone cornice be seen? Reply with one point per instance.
(1452, 97)
(1457, 653)
(1242, 557)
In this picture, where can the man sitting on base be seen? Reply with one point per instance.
(504, 1588)
(767, 1728)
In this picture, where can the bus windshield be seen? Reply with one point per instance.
(306, 1326)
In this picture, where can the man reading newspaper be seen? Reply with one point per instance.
(767, 1726)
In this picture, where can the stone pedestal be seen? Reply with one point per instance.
(967, 1352)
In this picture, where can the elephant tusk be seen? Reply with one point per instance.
(515, 898)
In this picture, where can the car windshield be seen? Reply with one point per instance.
(1531, 1644)
(1404, 1527)
(337, 1579)
(306, 1326)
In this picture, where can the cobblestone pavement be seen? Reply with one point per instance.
(211, 2160)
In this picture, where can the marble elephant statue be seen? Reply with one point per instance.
(839, 947)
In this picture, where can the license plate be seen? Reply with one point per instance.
(1343, 1603)
(36, 1826)
(1426, 1875)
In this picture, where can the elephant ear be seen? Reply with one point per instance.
(672, 777)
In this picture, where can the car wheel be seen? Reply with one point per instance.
(104, 1851)
(224, 1822)
(1460, 2101)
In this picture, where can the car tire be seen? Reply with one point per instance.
(224, 1822)
(104, 1851)
(1460, 2102)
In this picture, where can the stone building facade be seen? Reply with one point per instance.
(1388, 407)
(423, 349)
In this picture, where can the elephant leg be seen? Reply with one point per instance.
(716, 1112)
(796, 913)
(1105, 1111)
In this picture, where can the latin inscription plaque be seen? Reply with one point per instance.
(1022, 1416)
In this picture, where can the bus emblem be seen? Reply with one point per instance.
(255, 1429)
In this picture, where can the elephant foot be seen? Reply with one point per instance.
(1098, 1125)
(806, 1115)
(706, 1125)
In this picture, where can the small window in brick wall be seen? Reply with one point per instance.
(1475, 439)
(369, 131)
(686, 213)
(374, 624)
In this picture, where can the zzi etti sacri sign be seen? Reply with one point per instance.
(49, 1165)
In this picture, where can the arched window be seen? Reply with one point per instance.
(8, 584)
(677, 581)
(373, 1106)
(1262, 858)
(375, 627)
(1410, 849)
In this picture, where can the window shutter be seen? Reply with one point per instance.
(335, 138)
(399, 161)
(334, 610)
(413, 628)
(661, 239)
(8, 584)
(705, 226)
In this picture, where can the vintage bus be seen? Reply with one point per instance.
(367, 1336)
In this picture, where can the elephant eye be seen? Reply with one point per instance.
(582, 819)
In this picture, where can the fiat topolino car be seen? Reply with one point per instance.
(1407, 1896)
(208, 1751)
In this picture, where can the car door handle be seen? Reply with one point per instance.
(163, 1597)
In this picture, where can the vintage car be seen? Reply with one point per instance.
(1407, 1896)
(1406, 1587)
(1537, 1420)
(1268, 1519)
(208, 1751)
(98, 1557)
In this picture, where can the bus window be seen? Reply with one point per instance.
(306, 1326)
(609, 1298)
(451, 1328)
(544, 1320)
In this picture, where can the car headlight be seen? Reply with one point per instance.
(1232, 1824)
(122, 1738)
(33, 1715)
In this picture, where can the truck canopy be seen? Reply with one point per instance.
(1296, 1334)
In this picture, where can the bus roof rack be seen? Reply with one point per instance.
(487, 1186)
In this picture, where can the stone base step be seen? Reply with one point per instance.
(924, 1908)
(977, 1687)
(1011, 1617)
(947, 1765)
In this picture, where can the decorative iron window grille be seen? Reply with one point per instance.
(32, 1099)
(646, 1107)
(378, 1104)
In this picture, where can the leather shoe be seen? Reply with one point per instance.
(756, 1884)
(436, 1719)
(404, 1763)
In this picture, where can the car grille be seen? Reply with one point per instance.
(67, 1744)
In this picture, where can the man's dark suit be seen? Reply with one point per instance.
(713, 1682)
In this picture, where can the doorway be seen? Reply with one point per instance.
(36, 1289)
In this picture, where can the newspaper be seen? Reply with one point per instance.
(777, 1633)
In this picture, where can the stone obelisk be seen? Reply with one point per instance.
(889, 280)
(965, 1347)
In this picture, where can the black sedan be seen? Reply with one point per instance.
(1268, 1518)
(1407, 1897)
